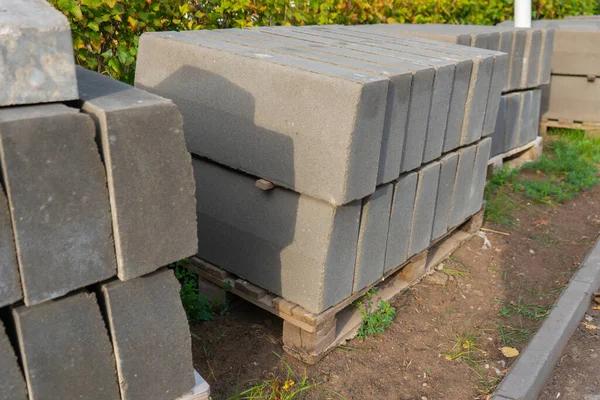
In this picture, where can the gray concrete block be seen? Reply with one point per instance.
(372, 237)
(56, 188)
(531, 59)
(506, 46)
(400, 221)
(292, 245)
(526, 118)
(66, 351)
(589, 272)
(10, 281)
(150, 335)
(37, 65)
(514, 111)
(452, 121)
(479, 176)
(148, 171)
(233, 116)
(517, 59)
(462, 186)
(499, 130)
(546, 56)
(414, 144)
(439, 114)
(445, 191)
(12, 383)
(497, 84)
(399, 87)
(425, 199)
(573, 98)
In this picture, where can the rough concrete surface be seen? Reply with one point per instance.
(323, 141)
(372, 237)
(10, 281)
(150, 334)
(462, 186)
(292, 245)
(400, 221)
(479, 176)
(149, 174)
(500, 129)
(12, 383)
(56, 188)
(574, 98)
(425, 199)
(445, 192)
(37, 63)
(66, 351)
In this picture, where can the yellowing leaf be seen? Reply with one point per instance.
(589, 326)
(509, 352)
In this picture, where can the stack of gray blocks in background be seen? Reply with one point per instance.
(573, 94)
(377, 144)
(96, 196)
(530, 52)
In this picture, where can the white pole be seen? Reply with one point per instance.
(523, 13)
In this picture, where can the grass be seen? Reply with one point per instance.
(569, 165)
(529, 311)
(374, 321)
(466, 348)
(282, 385)
(197, 306)
(461, 269)
(511, 336)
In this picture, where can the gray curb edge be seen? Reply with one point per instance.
(529, 373)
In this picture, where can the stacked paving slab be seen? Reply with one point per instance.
(377, 146)
(573, 94)
(530, 52)
(96, 195)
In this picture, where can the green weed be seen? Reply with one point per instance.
(466, 348)
(282, 385)
(376, 321)
(511, 336)
(529, 311)
(197, 306)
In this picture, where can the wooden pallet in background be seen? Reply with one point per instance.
(592, 129)
(516, 157)
(309, 337)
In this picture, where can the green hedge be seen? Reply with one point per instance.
(106, 32)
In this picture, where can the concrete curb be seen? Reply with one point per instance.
(529, 373)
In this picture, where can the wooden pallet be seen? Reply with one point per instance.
(592, 129)
(518, 156)
(199, 392)
(309, 337)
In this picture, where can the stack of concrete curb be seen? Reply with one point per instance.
(95, 197)
(574, 94)
(365, 149)
(530, 53)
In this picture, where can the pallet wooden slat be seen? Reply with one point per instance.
(592, 129)
(516, 157)
(309, 337)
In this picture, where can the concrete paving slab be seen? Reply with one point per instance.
(56, 188)
(232, 116)
(292, 245)
(514, 111)
(499, 130)
(400, 221)
(425, 199)
(414, 144)
(445, 192)
(573, 98)
(399, 87)
(148, 168)
(546, 56)
(38, 65)
(372, 237)
(150, 334)
(531, 59)
(65, 350)
(12, 382)
(10, 281)
(479, 176)
(462, 186)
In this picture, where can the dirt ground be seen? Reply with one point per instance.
(576, 376)
(445, 341)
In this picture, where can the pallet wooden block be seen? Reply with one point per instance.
(592, 129)
(309, 337)
(516, 157)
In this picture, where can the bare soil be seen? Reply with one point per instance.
(576, 376)
(417, 357)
